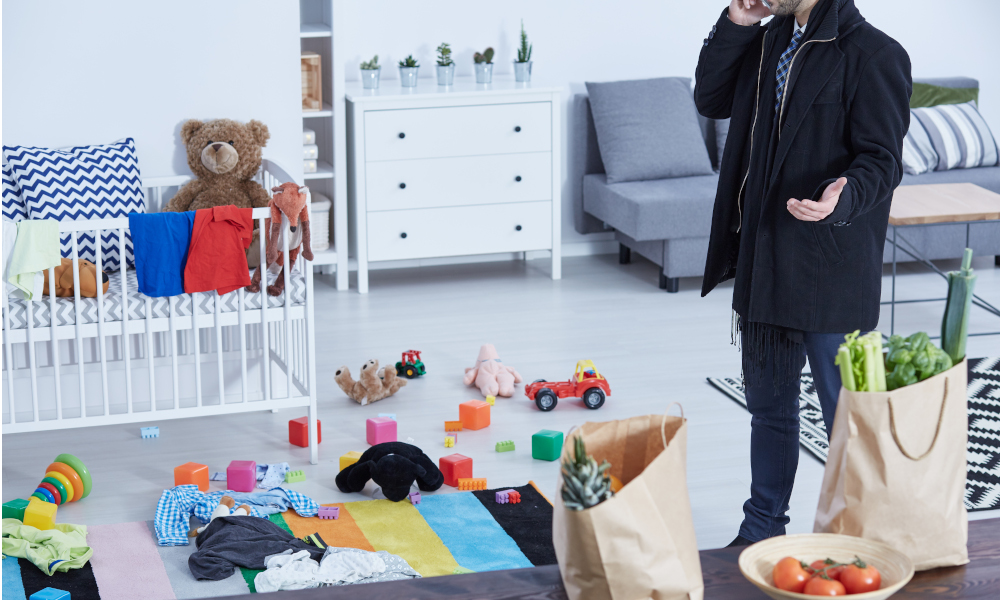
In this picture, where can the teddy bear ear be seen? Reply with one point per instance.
(189, 129)
(259, 132)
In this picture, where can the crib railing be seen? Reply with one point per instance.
(276, 343)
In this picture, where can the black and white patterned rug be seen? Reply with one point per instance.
(982, 487)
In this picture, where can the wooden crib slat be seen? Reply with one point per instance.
(287, 272)
(218, 348)
(56, 366)
(196, 338)
(77, 325)
(173, 352)
(102, 344)
(149, 355)
(309, 326)
(243, 347)
(126, 306)
(8, 355)
(31, 358)
(265, 356)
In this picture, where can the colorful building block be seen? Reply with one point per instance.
(298, 432)
(381, 429)
(50, 594)
(149, 432)
(388, 415)
(40, 514)
(513, 496)
(505, 446)
(461, 571)
(294, 476)
(453, 426)
(472, 483)
(455, 467)
(414, 497)
(449, 442)
(329, 512)
(474, 414)
(502, 497)
(14, 509)
(241, 476)
(491, 400)
(192, 472)
(349, 459)
(546, 445)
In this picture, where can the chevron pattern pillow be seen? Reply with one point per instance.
(86, 182)
(13, 205)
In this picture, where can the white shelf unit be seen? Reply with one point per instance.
(316, 32)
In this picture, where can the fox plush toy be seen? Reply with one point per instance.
(289, 200)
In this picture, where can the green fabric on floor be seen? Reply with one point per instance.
(279, 520)
(51, 550)
(36, 249)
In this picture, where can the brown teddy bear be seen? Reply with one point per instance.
(374, 384)
(64, 280)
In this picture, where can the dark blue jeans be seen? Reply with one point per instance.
(774, 434)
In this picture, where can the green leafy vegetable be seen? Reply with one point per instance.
(913, 359)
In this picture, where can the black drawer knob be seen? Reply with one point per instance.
(517, 228)
(403, 235)
(402, 186)
(402, 135)
(518, 178)
(517, 128)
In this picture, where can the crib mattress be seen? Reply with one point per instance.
(160, 307)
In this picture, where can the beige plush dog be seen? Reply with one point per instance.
(373, 385)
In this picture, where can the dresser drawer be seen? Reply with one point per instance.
(458, 131)
(461, 181)
(431, 232)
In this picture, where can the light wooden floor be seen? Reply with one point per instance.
(655, 348)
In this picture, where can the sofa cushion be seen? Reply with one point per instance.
(984, 177)
(661, 209)
(944, 90)
(648, 129)
(959, 135)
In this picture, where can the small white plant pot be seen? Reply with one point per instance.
(484, 72)
(522, 71)
(446, 74)
(370, 77)
(408, 76)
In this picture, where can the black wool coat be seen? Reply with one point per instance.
(845, 113)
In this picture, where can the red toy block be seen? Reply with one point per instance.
(455, 467)
(474, 414)
(513, 496)
(298, 432)
(192, 473)
(381, 429)
(241, 476)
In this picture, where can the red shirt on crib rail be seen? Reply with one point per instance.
(217, 257)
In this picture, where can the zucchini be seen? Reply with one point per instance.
(955, 324)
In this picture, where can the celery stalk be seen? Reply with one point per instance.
(846, 369)
(869, 384)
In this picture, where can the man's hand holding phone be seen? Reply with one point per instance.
(748, 12)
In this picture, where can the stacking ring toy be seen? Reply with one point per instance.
(45, 494)
(81, 470)
(66, 480)
(58, 487)
(52, 490)
(70, 474)
(70, 490)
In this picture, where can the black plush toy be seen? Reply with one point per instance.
(393, 466)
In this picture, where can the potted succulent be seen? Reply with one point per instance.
(522, 66)
(445, 65)
(408, 68)
(484, 66)
(370, 72)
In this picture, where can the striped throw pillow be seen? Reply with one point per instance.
(919, 156)
(959, 135)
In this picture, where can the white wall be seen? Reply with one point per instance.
(596, 40)
(79, 73)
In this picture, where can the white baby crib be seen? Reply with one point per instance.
(124, 357)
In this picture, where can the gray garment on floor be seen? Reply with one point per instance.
(230, 542)
(395, 567)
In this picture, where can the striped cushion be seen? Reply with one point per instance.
(919, 156)
(13, 205)
(958, 134)
(86, 182)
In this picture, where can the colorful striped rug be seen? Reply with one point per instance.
(437, 536)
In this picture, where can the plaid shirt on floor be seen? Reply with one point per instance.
(176, 505)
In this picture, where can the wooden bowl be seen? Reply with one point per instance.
(758, 560)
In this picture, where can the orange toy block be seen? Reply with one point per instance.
(471, 483)
(192, 473)
(453, 426)
(475, 414)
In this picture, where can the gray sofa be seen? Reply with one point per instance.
(668, 220)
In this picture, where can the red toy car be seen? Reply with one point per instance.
(586, 383)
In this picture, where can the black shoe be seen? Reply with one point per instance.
(739, 541)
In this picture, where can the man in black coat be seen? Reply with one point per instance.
(819, 106)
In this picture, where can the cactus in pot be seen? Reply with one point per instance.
(485, 57)
(585, 483)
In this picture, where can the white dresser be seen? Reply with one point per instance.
(437, 171)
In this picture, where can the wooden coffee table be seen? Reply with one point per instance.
(934, 205)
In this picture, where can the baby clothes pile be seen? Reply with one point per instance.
(339, 566)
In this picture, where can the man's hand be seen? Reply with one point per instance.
(809, 210)
(747, 12)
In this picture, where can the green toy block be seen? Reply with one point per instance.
(462, 571)
(294, 476)
(546, 445)
(14, 509)
(505, 446)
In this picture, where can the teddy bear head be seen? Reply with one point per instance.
(369, 370)
(224, 148)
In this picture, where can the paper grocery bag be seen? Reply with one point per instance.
(896, 469)
(640, 543)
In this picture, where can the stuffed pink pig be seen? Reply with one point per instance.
(490, 375)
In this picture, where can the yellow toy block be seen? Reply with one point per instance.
(491, 400)
(40, 514)
(471, 483)
(449, 442)
(349, 459)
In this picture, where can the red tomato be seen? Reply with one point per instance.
(817, 586)
(833, 572)
(790, 575)
(859, 577)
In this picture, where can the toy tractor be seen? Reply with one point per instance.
(411, 366)
(586, 384)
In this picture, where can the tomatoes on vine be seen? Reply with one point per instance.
(790, 575)
(821, 586)
(859, 577)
